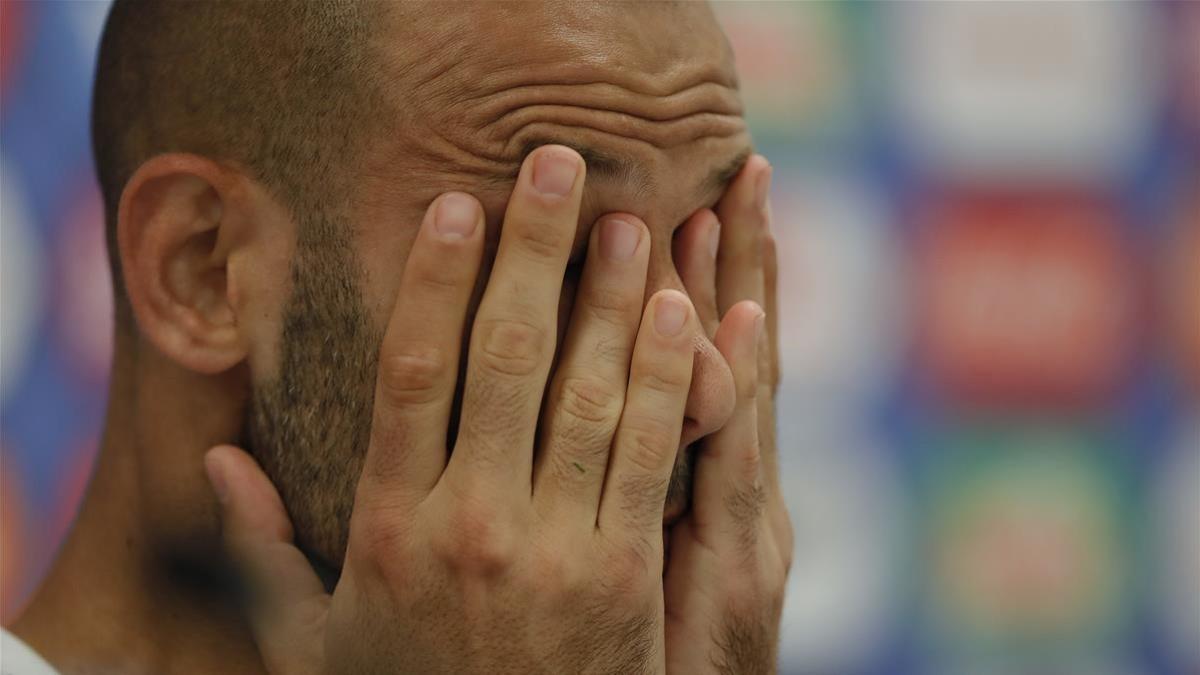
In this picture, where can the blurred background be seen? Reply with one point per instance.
(989, 225)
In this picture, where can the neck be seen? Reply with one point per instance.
(124, 595)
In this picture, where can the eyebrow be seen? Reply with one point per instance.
(604, 165)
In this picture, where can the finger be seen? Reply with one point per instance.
(742, 212)
(771, 306)
(419, 358)
(647, 438)
(695, 254)
(588, 391)
(769, 376)
(741, 275)
(287, 603)
(728, 495)
(513, 339)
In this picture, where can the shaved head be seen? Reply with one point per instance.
(356, 116)
(283, 90)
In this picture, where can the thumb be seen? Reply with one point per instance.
(287, 603)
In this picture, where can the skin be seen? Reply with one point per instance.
(207, 253)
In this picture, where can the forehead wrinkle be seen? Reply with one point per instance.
(687, 105)
(653, 134)
(663, 104)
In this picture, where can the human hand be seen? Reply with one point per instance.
(730, 555)
(481, 560)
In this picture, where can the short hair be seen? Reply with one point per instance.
(282, 90)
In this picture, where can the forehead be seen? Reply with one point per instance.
(646, 92)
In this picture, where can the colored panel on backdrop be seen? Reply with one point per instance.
(1025, 298)
(1025, 89)
(1028, 551)
(796, 76)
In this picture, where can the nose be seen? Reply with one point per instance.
(711, 397)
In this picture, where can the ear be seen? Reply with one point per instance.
(177, 226)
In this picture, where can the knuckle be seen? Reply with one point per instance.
(475, 543)
(664, 380)
(627, 573)
(377, 542)
(746, 506)
(543, 239)
(433, 274)
(412, 374)
(511, 346)
(440, 280)
(588, 401)
(643, 497)
(747, 384)
(612, 306)
(612, 350)
(553, 573)
(650, 442)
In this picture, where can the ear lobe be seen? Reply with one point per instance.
(173, 226)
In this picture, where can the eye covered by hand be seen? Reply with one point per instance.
(494, 558)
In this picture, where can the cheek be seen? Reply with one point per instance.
(382, 253)
(260, 286)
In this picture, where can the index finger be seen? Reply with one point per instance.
(419, 356)
(746, 271)
(514, 336)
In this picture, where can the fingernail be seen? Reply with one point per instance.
(456, 217)
(763, 188)
(217, 480)
(554, 173)
(714, 239)
(619, 239)
(669, 316)
(759, 325)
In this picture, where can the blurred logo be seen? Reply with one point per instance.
(1018, 89)
(1026, 299)
(1028, 552)
(793, 66)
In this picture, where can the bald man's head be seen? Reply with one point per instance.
(355, 117)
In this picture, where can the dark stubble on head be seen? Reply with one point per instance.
(310, 425)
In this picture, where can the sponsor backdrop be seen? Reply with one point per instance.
(989, 227)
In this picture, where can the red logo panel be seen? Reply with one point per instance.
(1025, 298)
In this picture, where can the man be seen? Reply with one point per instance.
(437, 325)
